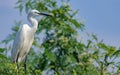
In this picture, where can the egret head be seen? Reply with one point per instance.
(36, 13)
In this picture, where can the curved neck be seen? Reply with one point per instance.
(33, 22)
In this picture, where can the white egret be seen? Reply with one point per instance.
(24, 38)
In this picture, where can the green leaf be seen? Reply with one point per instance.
(77, 24)
(116, 53)
(74, 72)
(51, 56)
(2, 56)
(2, 50)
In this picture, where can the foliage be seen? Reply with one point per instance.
(60, 53)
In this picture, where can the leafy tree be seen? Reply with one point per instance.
(59, 52)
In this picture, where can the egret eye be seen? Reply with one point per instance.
(36, 12)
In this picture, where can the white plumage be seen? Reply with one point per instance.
(24, 37)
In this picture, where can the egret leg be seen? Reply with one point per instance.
(17, 62)
(25, 63)
(17, 66)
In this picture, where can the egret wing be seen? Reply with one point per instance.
(17, 44)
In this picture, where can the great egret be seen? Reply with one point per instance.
(24, 38)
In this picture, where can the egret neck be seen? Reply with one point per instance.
(33, 22)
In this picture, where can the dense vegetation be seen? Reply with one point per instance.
(58, 47)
